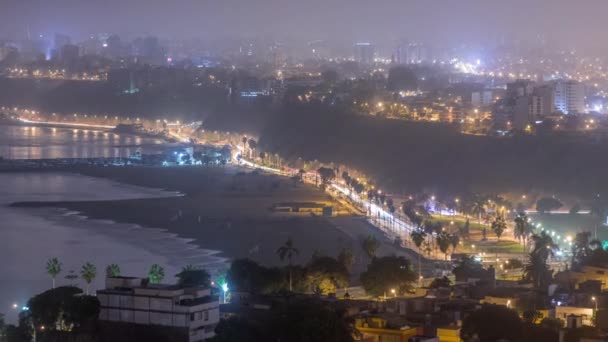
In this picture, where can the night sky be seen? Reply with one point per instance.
(576, 23)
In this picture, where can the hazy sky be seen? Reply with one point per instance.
(384, 21)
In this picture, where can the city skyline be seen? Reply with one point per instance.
(385, 22)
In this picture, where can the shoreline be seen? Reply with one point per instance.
(211, 213)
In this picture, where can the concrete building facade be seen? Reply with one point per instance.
(133, 300)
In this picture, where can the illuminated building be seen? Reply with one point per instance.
(569, 97)
(192, 311)
(365, 52)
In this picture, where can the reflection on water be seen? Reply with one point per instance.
(30, 142)
(29, 237)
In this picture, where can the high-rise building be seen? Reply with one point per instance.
(481, 98)
(69, 55)
(569, 97)
(542, 102)
(114, 46)
(521, 112)
(192, 313)
(365, 52)
(519, 88)
(61, 40)
(413, 53)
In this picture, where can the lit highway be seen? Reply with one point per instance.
(65, 124)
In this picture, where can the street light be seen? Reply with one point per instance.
(594, 302)
(394, 292)
(225, 289)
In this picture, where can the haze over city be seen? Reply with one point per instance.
(303, 171)
(567, 24)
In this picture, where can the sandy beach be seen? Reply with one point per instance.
(228, 209)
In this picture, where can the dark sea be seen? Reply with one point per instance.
(29, 237)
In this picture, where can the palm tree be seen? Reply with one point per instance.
(478, 208)
(521, 229)
(443, 240)
(536, 271)
(543, 245)
(346, 258)
(112, 271)
(418, 238)
(244, 140)
(301, 174)
(252, 146)
(370, 245)
(88, 273)
(288, 251)
(156, 274)
(53, 268)
(454, 241)
(498, 226)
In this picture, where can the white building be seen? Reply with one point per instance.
(481, 98)
(569, 97)
(194, 311)
(365, 53)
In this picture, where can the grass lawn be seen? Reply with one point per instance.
(458, 221)
(502, 246)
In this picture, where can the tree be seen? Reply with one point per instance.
(418, 237)
(325, 274)
(88, 273)
(346, 258)
(288, 251)
(244, 140)
(370, 246)
(547, 204)
(537, 271)
(156, 274)
(240, 329)
(248, 276)
(401, 78)
(440, 282)
(415, 213)
(326, 174)
(112, 270)
(499, 226)
(468, 268)
(191, 276)
(492, 323)
(521, 229)
(454, 241)
(478, 207)
(443, 241)
(543, 245)
(465, 229)
(2, 327)
(329, 76)
(252, 146)
(53, 268)
(301, 174)
(62, 309)
(580, 248)
(387, 273)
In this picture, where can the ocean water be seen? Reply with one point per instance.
(30, 142)
(29, 237)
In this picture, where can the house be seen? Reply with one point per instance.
(586, 273)
(585, 314)
(190, 311)
(378, 329)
